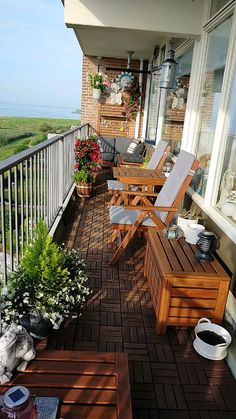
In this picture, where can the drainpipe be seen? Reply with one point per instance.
(137, 122)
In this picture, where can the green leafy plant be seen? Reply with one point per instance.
(50, 280)
(83, 176)
(97, 81)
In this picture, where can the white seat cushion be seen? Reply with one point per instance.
(115, 185)
(119, 215)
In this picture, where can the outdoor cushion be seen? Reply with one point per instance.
(132, 158)
(176, 178)
(118, 215)
(106, 144)
(116, 185)
(108, 156)
(138, 151)
(157, 155)
(122, 144)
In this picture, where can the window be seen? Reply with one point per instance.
(226, 200)
(153, 108)
(216, 54)
(216, 5)
(175, 103)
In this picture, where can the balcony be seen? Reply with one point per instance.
(168, 378)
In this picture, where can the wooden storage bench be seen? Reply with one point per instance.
(183, 289)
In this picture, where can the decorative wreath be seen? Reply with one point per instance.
(125, 80)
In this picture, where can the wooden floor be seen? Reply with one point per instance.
(168, 379)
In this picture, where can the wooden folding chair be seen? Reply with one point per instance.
(156, 162)
(142, 215)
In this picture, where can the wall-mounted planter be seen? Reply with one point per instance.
(96, 94)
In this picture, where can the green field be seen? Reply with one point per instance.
(18, 134)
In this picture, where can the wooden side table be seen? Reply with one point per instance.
(183, 289)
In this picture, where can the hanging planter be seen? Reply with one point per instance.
(96, 93)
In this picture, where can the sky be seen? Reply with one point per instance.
(40, 58)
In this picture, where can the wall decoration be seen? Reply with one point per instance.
(125, 80)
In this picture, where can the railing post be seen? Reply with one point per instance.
(61, 170)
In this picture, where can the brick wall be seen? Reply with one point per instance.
(92, 109)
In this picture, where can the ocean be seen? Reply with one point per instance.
(37, 111)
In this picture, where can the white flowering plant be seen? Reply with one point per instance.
(50, 280)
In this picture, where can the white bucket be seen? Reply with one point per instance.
(214, 352)
(192, 231)
(184, 222)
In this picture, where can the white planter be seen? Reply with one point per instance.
(184, 222)
(214, 352)
(96, 93)
(192, 231)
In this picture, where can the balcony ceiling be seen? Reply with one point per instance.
(110, 42)
(110, 28)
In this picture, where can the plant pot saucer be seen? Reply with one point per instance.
(205, 355)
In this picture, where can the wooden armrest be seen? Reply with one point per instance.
(124, 163)
(150, 208)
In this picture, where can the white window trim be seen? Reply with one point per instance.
(191, 125)
(225, 225)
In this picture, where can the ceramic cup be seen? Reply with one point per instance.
(191, 233)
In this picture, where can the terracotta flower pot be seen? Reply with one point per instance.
(84, 190)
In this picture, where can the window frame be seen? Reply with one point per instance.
(221, 132)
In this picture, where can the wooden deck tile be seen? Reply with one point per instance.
(168, 379)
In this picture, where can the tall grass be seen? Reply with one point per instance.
(18, 134)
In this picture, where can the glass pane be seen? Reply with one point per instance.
(226, 201)
(217, 5)
(175, 104)
(153, 108)
(216, 54)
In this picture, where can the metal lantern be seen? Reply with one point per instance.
(207, 243)
(168, 72)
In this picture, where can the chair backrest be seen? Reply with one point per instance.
(157, 155)
(175, 183)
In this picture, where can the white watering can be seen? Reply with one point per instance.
(214, 352)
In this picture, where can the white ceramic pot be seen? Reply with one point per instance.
(192, 231)
(96, 93)
(184, 222)
(214, 352)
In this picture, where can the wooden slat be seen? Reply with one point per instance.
(194, 293)
(123, 393)
(71, 356)
(72, 396)
(70, 367)
(191, 302)
(196, 282)
(87, 412)
(65, 381)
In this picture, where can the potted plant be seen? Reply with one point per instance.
(87, 162)
(97, 83)
(84, 182)
(48, 286)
